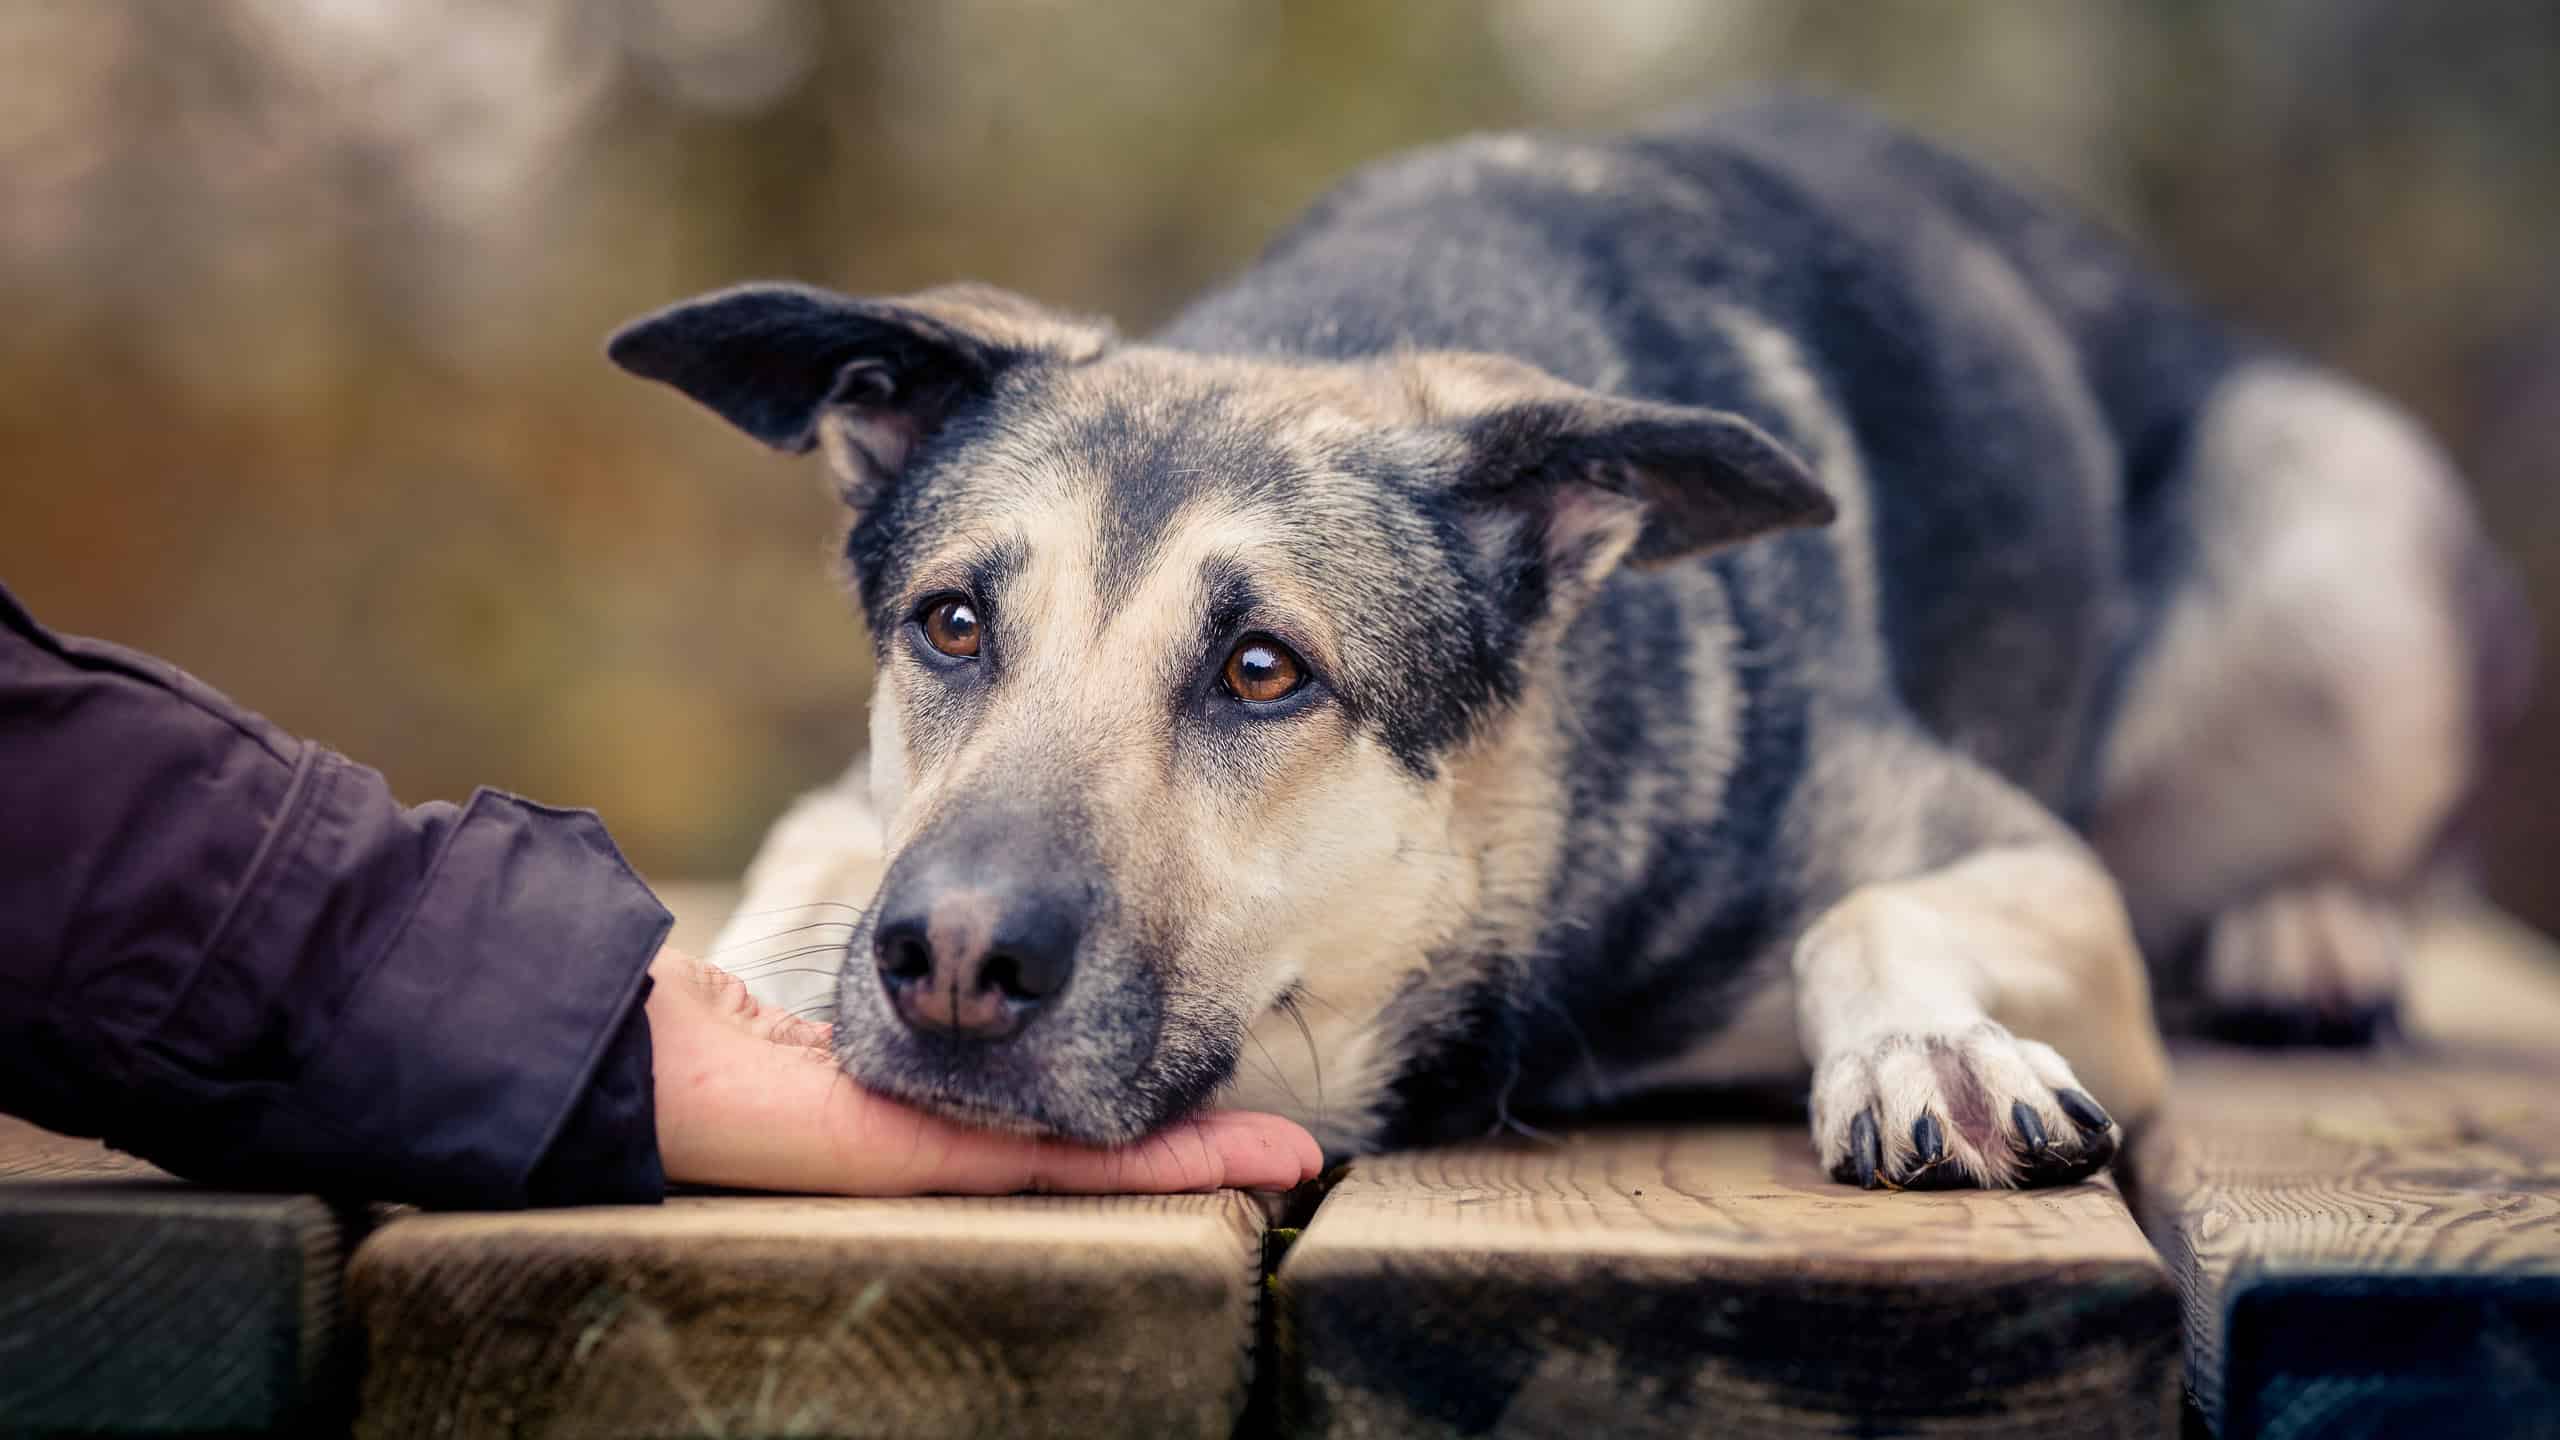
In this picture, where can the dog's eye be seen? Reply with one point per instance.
(1261, 669)
(951, 626)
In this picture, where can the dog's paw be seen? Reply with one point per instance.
(2314, 964)
(1921, 1110)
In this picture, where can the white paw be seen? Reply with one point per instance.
(2312, 964)
(1975, 1106)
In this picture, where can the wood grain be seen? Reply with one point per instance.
(2369, 1243)
(738, 1315)
(1711, 1280)
(132, 1303)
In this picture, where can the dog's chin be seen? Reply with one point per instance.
(1089, 1094)
(978, 1113)
(979, 1116)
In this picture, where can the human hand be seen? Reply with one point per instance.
(751, 1097)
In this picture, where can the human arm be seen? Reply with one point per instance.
(232, 952)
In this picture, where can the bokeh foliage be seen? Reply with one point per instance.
(300, 386)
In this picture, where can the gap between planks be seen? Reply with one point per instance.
(2369, 1243)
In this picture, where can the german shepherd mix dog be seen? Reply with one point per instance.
(1583, 619)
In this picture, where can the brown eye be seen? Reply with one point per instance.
(951, 626)
(1262, 669)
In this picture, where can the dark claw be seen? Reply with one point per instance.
(1929, 1169)
(2084, 1112)
(2031, 1136)
(2100, 1149)
(1942, 1175)
(2063, 1167)
(2051, 1164)
(1866, 1154)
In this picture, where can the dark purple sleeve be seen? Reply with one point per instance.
(233, 953)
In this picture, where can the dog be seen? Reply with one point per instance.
(1588, 619)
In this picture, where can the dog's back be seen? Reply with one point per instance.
(2175, 586)
(1989, 387)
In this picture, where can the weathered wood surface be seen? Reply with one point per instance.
(1713, 1281)
(132, 1303)
(2369, 1244)
(739, 1315)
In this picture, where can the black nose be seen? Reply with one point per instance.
(966, 961)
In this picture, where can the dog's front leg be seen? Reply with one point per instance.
(1938, 1011)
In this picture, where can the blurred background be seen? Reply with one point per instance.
(300, 382)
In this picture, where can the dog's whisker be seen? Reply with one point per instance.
(1297, 995)
(855, 910)
(1271, 1067)
(734, 945)
(1601, 1089)
(763, 965)
(1288, 1004)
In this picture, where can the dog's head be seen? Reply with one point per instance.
(1177, 654)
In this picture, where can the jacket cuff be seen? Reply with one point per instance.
(607, 1153)
(489, 1050)
(472, 1042)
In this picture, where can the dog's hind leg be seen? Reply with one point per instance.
(2333, 644)
(1979, 1016)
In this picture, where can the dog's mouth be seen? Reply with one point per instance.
(952, 1088)
(978, 1115)
(1079, 1099)
(1115, 1056)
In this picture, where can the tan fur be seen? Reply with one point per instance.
(1958, 991)
(1337, 882)
(2253, 737)
(1474, 857)
(1334, 887)
(818, 867)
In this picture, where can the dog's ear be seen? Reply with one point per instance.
(1599, 480)
(795, 366)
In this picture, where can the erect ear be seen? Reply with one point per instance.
(792, 365)
(1598, 480)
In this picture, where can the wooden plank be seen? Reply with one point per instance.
(762, 1315)
(132, 1303)
(1711, 1280)
(2369, 1243)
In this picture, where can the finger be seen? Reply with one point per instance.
(725, 995)
(1244, 1150)
(703, 983)
(781, 1027)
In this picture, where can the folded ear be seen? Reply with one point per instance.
(794, 366)
(1598, 480)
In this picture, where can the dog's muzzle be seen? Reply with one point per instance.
(969, 949)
